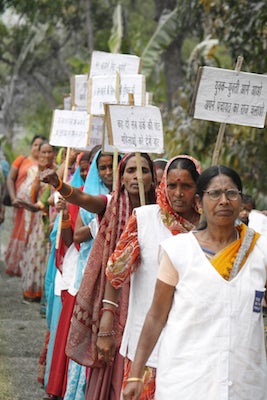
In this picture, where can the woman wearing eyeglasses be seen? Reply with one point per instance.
(208, 298)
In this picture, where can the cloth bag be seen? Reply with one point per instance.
(6, 198)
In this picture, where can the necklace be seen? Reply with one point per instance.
(210, 253)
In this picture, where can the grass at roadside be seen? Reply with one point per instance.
(6, 387)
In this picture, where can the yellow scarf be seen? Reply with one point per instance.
(223, 261)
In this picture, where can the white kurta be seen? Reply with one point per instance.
(212, 347)
(151, 231)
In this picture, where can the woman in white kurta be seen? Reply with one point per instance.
(208, 299)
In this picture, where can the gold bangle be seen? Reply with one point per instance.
(135, 379)
(59, 186)
(70, 193)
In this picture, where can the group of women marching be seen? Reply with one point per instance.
(142, 302)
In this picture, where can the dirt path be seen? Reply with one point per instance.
(22, 332)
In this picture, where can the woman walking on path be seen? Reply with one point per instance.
(34, 258)
(104, 381)
(208, 299)
(15, 184)
(98, 181)
(135, 258)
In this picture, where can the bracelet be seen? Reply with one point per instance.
(106, 309)
(59, 186)
(70, 193)
(134, 379)
(106, 334)
(65, 224)
(110, 302)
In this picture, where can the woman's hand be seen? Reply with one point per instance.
(106, 348)
(16, 202)
(132, 390)
(49, 176)
(62, 205)
(106, 345)
(27, 205)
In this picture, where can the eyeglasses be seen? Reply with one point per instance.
(215, 194)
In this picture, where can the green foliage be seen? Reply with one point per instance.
(160, 40)
(48, 41)
(115, 39)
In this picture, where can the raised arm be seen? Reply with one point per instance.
(95, 204)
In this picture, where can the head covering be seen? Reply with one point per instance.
(3, 163)
(174, 222)
(81, 344)
(94, 186)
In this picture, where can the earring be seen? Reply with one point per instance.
(200, 210)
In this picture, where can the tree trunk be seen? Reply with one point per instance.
(172, 56)
(173, 70)
(89, 27)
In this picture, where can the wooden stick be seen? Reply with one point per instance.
(116, 153)
(138, 164)
(61, 212)
(140, 179)
(218, 145)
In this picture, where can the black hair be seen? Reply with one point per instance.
(184, 163)
(105, 155)
(160, 164)
(212, 172)
(248, 199)
(94, 150)
(151, 195)
(38, 137)
(46, 142)
(85, 156)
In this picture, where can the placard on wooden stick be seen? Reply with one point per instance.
(103, 89)
(79, 92)
(231, 97)
(135, 128)
(67, 102)
(103, 63)
(69, 128)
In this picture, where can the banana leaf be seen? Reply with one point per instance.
(115, 39)
(164, 34)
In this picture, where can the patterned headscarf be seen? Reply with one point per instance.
(81, 344)
(173, 221)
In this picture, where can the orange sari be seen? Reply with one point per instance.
(21, 218)
(223, 261)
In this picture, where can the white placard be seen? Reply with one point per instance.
(107, 148)
(67, 103)
(69, 128)
(103, 63)
(102, 89)
(231, 97)
(135, 128)
(79, 90)
(96, 130)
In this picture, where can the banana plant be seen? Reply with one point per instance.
(164, 34)
(114, 42)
